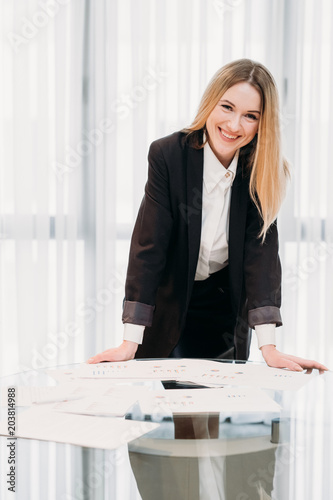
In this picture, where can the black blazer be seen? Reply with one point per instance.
(165, 248)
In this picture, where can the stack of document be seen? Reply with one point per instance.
(199, 371)
(88, 405)
(79, 412)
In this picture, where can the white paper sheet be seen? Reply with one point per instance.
(26, 396)
(72, 390)
(212, 373)
(199, 371)
(226, 400)
(42, 423)
(166, 369)
(114, 401)
(62, 374)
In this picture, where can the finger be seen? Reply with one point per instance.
(310, 363)
(294, 367)
(320, 367)
(287, 363)
(323, 368)
(306, 363)
(98, 358)
(92, 360)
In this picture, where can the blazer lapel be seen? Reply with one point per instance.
(237, 225)
(194, 208)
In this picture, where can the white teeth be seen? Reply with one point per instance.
(229, 136)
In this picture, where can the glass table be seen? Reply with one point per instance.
(245, 456)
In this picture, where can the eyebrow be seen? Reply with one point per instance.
(249, 111)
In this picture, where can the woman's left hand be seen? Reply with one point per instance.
(278, 359)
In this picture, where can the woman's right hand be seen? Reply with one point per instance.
(124, 352)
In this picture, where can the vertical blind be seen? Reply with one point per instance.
(85, 88)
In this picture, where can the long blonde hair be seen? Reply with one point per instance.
(269, 171)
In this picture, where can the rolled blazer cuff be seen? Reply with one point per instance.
(137, 313)
(264, 315)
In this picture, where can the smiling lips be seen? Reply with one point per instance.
(226, 136)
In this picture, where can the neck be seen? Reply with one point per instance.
(225, 160)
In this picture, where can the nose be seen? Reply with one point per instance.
(234, 123)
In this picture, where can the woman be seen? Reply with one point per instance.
(204, 266)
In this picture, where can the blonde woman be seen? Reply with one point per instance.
(203, 266)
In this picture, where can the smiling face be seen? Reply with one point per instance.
(234, 121)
